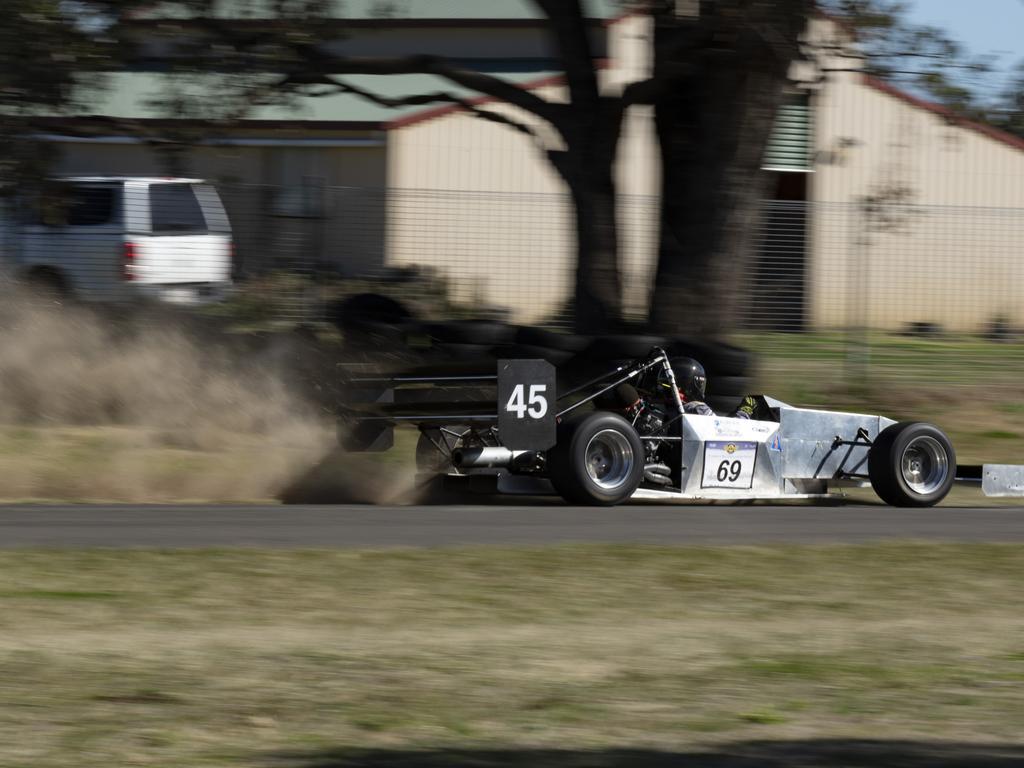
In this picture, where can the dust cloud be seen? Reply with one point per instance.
(143, 408)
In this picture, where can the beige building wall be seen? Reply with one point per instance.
(638, 168)
(918, 217)
(480, 201)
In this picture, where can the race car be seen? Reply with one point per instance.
(624, 435)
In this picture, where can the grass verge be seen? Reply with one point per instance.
(971, 388)
(309, 658)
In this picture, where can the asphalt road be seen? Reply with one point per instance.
(433, 526)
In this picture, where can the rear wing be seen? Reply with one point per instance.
(518, 398)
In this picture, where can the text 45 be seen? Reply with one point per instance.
(535, 407)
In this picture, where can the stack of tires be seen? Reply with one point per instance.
(381, 325)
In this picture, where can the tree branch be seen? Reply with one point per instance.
(488, 85)
(309, 62)
(438, 97)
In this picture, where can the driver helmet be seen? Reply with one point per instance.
(690, 378)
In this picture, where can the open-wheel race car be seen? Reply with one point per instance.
(626, 435)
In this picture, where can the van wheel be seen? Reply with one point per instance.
(47, 285)
(598, 460)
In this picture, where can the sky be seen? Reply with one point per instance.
(984, 26)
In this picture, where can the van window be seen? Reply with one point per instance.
(70, 205)
(174, 208)
(90, 206)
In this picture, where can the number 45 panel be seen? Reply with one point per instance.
(729, 464)
(526, 404)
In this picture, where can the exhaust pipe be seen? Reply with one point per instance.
(474, 458)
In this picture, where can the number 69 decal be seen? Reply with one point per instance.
(728, 464)
(537, 405)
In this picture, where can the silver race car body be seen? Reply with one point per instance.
(532, 437)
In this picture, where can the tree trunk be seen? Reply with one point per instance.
(587, 167)
(712, 129)
(598, 292)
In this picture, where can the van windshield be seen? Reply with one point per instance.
(174, 209)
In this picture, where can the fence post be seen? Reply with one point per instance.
(858, 348)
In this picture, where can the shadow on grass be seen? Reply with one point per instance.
(821, 753)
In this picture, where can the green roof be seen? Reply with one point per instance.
(135, 96)
(398, 9)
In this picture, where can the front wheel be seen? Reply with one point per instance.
(598, 461)
(912, 464)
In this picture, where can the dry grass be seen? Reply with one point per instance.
(138, 408)
(971, 388)
(233, 658)
(144, 465)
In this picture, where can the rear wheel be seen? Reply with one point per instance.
(598, 461)
(912, 464)
(46, 285)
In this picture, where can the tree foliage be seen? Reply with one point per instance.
(44, 46)
(717, 82)
(1008, 113)
(928, 60)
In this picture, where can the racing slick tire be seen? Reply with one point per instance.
(598, 460)
(912, 464)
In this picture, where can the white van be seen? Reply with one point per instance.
(116, 239)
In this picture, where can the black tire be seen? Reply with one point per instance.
(568, 460)
(377, 333)
(615, 348)
(469, 353)
(483, 332)
(556, 357)
(923, 447)
(362, 309)
(47, 285)
(530, 336)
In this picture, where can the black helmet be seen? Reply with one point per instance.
(690, 378)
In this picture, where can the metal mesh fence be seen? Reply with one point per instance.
(836, 291)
